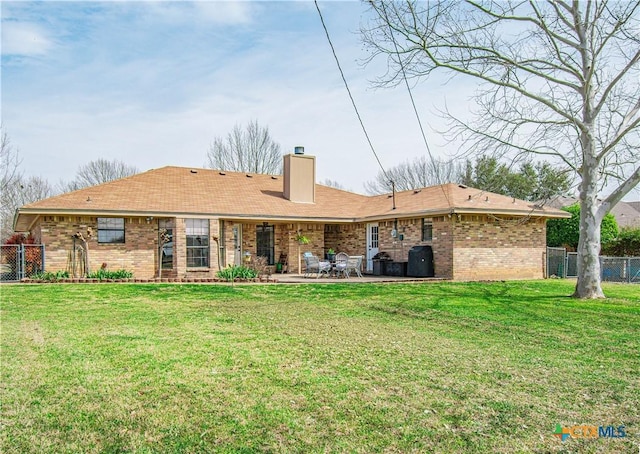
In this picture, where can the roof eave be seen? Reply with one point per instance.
(25, 213)
(447, 211)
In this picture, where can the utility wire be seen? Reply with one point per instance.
(424, 137)
(413, 103)
(349, 91)
(404, 77)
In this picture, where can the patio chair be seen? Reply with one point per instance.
(341, 264)
(354, 263)
(313, 265)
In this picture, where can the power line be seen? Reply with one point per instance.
(335, 56)
(413, 103)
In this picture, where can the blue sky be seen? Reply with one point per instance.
(153, 83)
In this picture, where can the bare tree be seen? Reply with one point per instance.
(19, 192)
(101, 171)
(416, 174)
(10, 182)
(9, 161)
(558, 79)
(64, 186)
(332, 183)
(249, 150)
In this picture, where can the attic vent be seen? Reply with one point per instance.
(417, 191)
(274, 178)
(462, 186)
(193, 171)
(222, 173)
(249, 176)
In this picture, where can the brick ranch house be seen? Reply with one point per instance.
(215, 218)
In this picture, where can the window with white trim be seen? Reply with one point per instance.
(197, 243)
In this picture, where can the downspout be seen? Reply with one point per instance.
(393, 193)
(217, 239)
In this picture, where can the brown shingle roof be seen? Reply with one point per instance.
(179, 191)
(454, 198)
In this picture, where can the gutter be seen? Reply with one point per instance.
(431, 213)
(275, 217)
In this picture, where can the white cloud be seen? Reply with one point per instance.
(24, 39)
(219, 13)
(224, 12)
(153, 84)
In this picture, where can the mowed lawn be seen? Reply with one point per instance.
(438, 367)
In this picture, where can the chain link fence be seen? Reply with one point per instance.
(572, 264)
(556, 262)
(18, 261)
(561, 263)
(620, 269)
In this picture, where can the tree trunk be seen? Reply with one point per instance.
(591, 214)
(85, 245)
(160, 260)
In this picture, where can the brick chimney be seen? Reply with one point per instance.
(300, 177)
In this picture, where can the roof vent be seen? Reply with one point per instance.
(194, 171)
(222, 173)
(298, 150)
(249, 176)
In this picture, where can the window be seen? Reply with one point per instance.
(110, 230)
(197, 243)
(427, 230)
(166, 225)
(265, 242)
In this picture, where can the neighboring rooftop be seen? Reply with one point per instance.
(627, 214)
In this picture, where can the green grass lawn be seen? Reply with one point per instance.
(442, 367)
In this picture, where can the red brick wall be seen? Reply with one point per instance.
(411, 229)
(465, 247)
(138, 254)
(493, 248)
(474, 247)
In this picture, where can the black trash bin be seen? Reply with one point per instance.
(378, 267)
(420, 262)
(379, 263)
